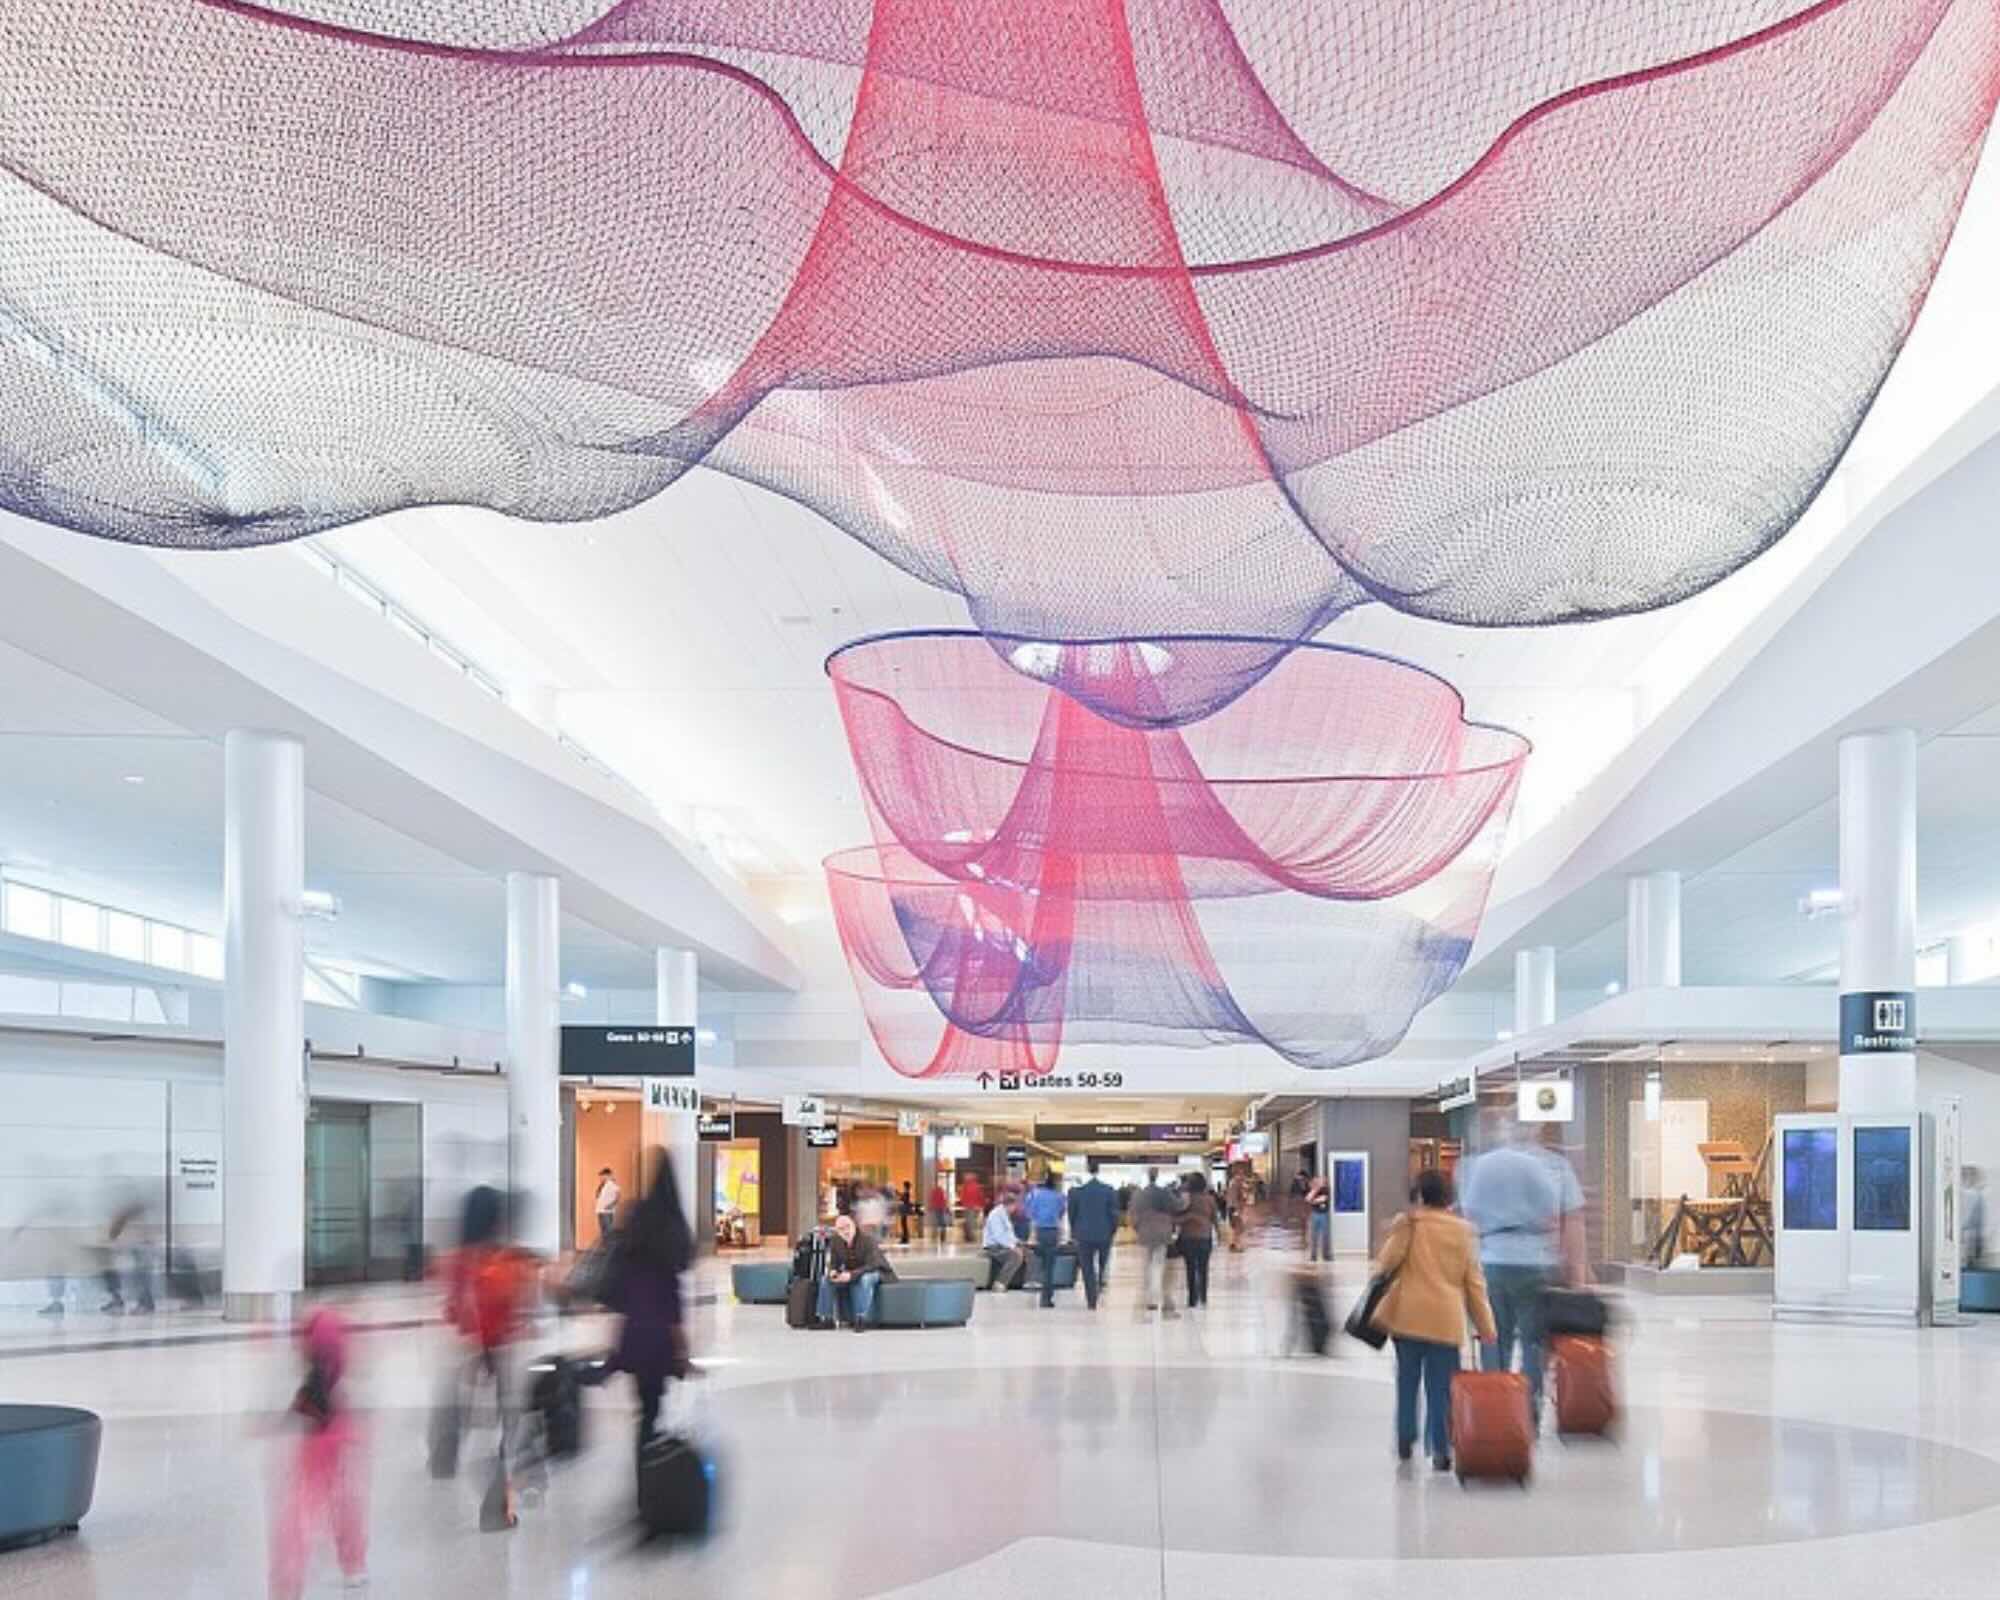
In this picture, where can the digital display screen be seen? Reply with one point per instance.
(1350, 1186)
(1882, 1180)
(1812, 1179)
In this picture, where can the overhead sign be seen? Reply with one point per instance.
(1017, 1155)
(1456, 1092)
(1122, 1132)
(822, 1138)
(954, 1147)
(716, 1127)
(673, 1094)
(1048, 1082)
(1878, 1022)
(909, 1122)
(804, 1110)
(594, 1052)
(1546, 1100)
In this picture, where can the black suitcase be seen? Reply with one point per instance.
(801, 1303)
(676, 1487)
(1315, 1320)
(556, 1393)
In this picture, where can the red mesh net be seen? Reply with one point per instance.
(1305, 868)
(1119, 317)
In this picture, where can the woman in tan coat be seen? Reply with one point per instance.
(1433, 1260)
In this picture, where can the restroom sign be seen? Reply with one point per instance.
(1877, 1022)
(673, 1094)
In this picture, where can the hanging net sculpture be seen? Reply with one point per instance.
(1117, 317)
(1305, 868)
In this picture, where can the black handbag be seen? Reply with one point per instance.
(1575, 1313)
(1360, 1322)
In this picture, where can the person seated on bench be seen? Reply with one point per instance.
(1004, 1255)
(854, 1262)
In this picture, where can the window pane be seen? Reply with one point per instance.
(1812, 1176)
(125, 936)
(1882, 1180)
(205, 956)
(169, 946)
(30, 912)
(80, 924)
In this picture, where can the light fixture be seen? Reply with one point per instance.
(576, 991)
(321, 905)
(1614, 987)
(135, 778)
(1504, 1035)
(1820, 903)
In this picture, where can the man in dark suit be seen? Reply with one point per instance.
(1093, 1219)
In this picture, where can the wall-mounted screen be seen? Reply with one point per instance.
(1812, 1179)
(1882, 1180)
(1350, 1185)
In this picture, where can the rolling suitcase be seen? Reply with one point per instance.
(676, 1486)
(1574, 1311)
(1492, 1428)
(1315, 1321)
(556, 1393)
(1586, 1390)
(801, 1303)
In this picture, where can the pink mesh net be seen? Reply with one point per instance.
(1305, 868)
(1118, 317)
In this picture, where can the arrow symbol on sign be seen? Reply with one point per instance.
(986, 1080)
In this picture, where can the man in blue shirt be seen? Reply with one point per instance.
(1523, 1201)
(1044, 1207)
(1093, 1221)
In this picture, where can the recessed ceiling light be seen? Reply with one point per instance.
(1614, 987)
(576, 991)
(135, 777)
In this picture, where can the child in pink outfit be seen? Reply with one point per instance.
(325, 1484)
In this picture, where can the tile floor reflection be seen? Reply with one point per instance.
(1059, 1453)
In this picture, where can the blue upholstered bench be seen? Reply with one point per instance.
(760, 1283)
(924, 1303)
(48, 1470)
(1979, 1289)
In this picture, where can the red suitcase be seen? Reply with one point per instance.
(1586, 1389)
(1492, 1428)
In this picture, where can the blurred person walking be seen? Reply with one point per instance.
(1431, 1259)
(326, 1487)
(940, 1213)
(1197, 1237)
(1044, 1208)
(1155, 1216)
(656, 1249)
(1094, 1211)
(906, 1208)
(489, 1290)
(1526, 1205)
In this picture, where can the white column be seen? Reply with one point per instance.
(675, 1004)
(1534, 989)
(534, 1057)
(1653, 931)
(1878, 906)
(263, 1026)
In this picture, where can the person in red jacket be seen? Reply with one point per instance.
(972, 1201)
(938, 1209)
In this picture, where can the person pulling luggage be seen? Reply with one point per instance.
(1431, 1260)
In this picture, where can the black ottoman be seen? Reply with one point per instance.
(48, 1470)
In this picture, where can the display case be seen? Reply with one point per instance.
(1854, 1218)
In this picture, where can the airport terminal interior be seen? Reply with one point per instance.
(1268, 728)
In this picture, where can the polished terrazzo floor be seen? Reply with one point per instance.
(1059, 1453)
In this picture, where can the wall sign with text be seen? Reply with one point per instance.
(1878, 1022)
(593, 1052)
(1122, 1132)
(673, 1094)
